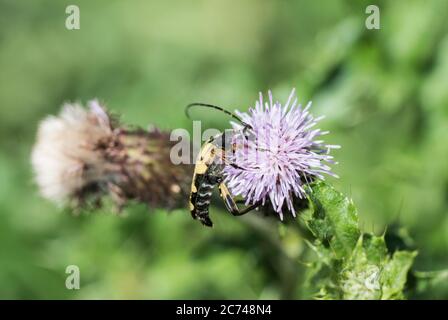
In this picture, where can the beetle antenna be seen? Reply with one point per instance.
(200, 104)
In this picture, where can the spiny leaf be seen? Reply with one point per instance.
(374, 247)
(350, 265)
(394, 275)
(359, 278)
(333, 219)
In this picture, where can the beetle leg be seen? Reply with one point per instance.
(230, 202)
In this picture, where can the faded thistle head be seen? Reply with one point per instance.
(83, 154)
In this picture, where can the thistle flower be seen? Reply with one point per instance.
(281, 155)
(83, 153)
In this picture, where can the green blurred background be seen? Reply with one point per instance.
(384, 93)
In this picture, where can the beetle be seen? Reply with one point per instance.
(208, 172)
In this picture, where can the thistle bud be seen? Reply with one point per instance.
(84, 154)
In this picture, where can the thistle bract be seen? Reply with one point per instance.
(279, 155)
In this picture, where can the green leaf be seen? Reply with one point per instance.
(333, 219)
(350, 265)
(360, 276)
(321, 275)
(374, 247)
(394, 275)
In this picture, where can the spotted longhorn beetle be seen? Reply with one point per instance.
(208, 172)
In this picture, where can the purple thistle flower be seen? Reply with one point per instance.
(279, 156)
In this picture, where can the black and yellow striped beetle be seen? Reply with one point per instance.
(208, 172)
